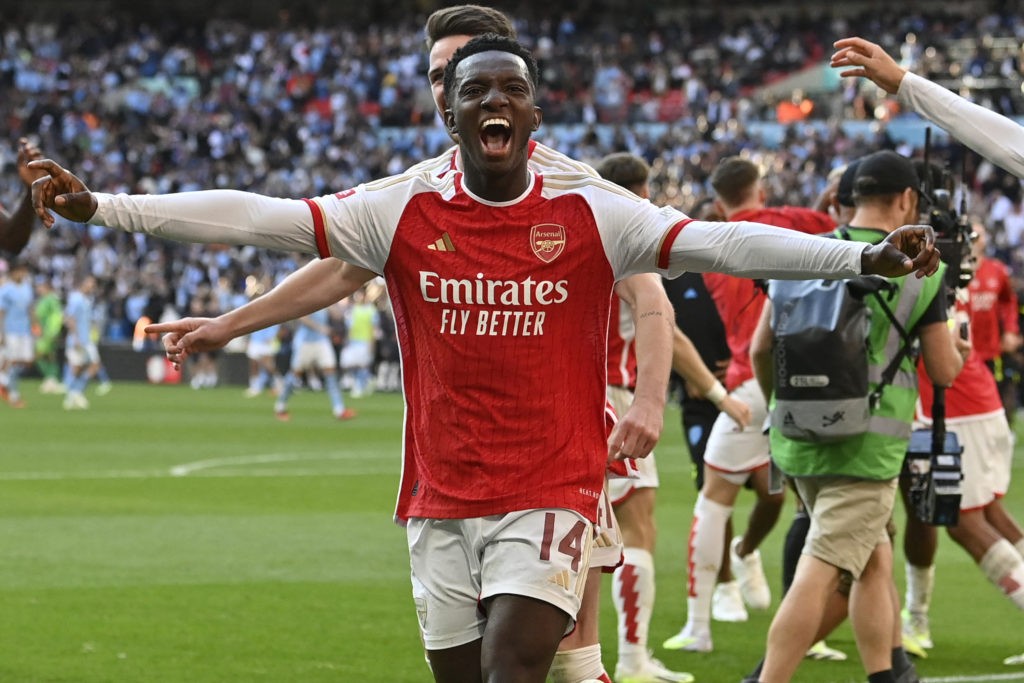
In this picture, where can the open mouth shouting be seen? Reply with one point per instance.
(496, 136)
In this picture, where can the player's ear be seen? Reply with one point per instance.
(449, 122)
(538, 116)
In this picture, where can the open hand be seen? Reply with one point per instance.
(867, 60)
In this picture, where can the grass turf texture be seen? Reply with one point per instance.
(171, 535)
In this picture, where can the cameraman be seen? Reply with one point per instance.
(985, 529)
(991, 135)
(849, 486)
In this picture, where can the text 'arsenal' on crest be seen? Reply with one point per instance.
(547, 241)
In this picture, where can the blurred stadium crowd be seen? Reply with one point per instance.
(295, 110)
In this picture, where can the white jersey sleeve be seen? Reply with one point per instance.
(639, 237)
(356, 225)
(993, 136)
(211, 216)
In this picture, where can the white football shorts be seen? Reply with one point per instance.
(457, 564)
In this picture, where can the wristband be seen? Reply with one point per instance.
(716, 394)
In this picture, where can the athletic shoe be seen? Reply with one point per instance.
(1014, 660)
(916, 627)
(689, 641)
(913, 647)
(346, 414)
(652, 671)
(281, 412)
(4, 395)
(823, 653)
(51, 386)
(104, 388)
(750, 574)
(75, 401)
(727, 603)
(251, 392)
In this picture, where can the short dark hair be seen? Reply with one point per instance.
(734, 179)
(624, 169)
(467, 20)
(487, 43)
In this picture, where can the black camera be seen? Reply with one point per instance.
(953, 237)
(953, 232)
(934, 477)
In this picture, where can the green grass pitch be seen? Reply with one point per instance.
(170, 535)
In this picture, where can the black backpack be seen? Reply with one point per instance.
(820, 356)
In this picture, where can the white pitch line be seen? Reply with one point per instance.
(212, 463)
(975, 679)
(223, 467)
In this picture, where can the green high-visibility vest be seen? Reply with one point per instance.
(877, 453)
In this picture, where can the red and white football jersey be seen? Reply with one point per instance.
(974, 392)
(502, 316)
(993, 308)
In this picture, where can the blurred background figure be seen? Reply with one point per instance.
(362, 325)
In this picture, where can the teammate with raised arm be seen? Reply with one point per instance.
(500, 478)
(995, 137)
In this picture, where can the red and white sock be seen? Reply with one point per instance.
(1005, 568)
(633, 595)
(707, 541)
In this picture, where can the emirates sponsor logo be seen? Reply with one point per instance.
(547, 241)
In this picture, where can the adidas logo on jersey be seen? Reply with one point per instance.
(443, 243)
(562, 578)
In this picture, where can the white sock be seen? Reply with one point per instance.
(572, 666)
(707, 541)
(633, 595)
(920, 581)
(1004, 567)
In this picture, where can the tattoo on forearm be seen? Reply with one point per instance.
(648, 314)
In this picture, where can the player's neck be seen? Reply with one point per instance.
(497, 187)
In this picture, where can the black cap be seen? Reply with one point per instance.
(844, 192)
(884, 172)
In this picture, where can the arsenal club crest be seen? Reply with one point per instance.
(547, 241)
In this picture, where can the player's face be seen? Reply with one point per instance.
(440, 54)
(493, 110)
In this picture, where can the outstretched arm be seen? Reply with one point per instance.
(226, 216)
(636, 432)
(16, 227)
(316, 285)
(995, 137)
(755, 250)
